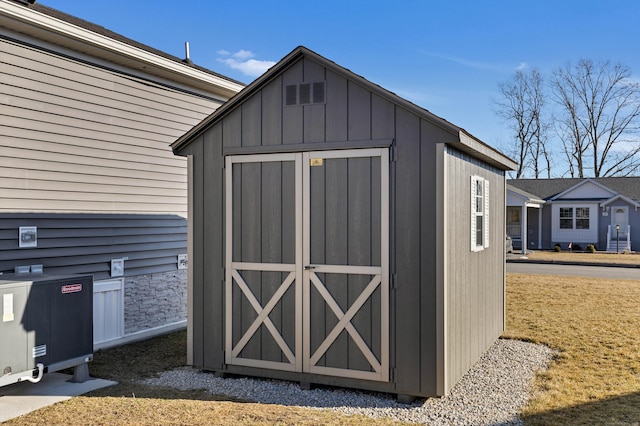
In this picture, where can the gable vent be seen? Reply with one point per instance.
(318, 92)
(305, 93)
(291, 95)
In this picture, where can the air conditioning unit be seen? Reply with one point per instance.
(46, 325)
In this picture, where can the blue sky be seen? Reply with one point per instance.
(446, 56)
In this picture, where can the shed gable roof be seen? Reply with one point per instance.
(465, 141)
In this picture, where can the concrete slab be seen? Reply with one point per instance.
(24, 397)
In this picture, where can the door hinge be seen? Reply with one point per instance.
(393, 154)
(392, 374)
(394, 281)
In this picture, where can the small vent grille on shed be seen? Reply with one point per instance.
(305, 93)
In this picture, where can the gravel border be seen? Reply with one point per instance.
(493, 392)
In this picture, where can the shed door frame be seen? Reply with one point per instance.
(379, 274)
(302, 276)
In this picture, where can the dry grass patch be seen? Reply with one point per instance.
(145, 411)
(131, 403)
(595, 325)
(598, 257)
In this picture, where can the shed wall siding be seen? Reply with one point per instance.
(350, 114)
(84, 139)
(475, 284)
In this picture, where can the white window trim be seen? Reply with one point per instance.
(574, 235)
(474, 213)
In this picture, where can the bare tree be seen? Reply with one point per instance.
(521, 103)
(600, 118)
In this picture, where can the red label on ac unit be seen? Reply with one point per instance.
(73, 288)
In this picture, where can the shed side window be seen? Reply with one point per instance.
(479, 213)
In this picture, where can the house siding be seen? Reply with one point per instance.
(85, 158)
(86, 243)
(573, 235)
(82, 138)
(600, 194)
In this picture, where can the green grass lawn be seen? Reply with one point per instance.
(593, 324)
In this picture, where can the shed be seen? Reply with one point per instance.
(341, 235)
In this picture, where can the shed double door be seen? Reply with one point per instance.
(307, 262)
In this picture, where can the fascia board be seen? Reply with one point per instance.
(100, 42)
(621, 197)
(486, 152)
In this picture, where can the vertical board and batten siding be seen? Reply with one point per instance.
(430, 135)
(351, 113)
(354, 115)
(405, 251)
(474, 286)
(85, 157)
(258, 122)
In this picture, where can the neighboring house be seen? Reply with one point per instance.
(88, 183)
(342, 235)
(600, 211)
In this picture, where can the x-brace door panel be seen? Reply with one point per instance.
(346, 287)
(263, 285)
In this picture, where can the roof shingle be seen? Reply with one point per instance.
(548, 188)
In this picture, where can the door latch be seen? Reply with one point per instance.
(310, 267)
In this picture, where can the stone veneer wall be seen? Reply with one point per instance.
(154, 300)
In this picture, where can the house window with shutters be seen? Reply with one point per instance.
(479, 213)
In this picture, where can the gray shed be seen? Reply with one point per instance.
(342, 235)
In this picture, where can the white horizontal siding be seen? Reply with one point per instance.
(83, 139)
(574, 235)
(588, 190)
